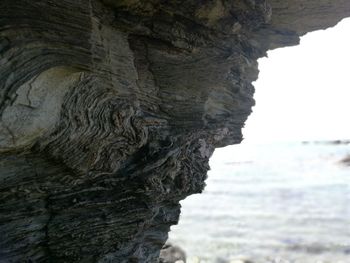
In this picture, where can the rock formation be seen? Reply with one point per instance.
(110, 110)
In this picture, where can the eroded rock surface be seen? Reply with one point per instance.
(111, 109)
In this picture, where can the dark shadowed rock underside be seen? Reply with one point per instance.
(111, 109)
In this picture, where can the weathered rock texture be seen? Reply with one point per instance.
(111, 109)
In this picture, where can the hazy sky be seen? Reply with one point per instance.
(303, 92)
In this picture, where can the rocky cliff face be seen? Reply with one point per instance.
(111, 109)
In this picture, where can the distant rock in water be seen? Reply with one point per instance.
(172, 254)
(346, 160)
(332, 142)
(340, 142)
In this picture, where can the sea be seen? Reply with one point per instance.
(270, 203)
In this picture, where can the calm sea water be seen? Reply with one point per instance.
(283, 202)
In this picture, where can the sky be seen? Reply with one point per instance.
(303, 92)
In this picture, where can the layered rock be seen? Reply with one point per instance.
(111, 109)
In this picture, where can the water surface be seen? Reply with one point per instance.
(270, 202)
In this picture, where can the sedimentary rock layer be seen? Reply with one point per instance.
(111, 109)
